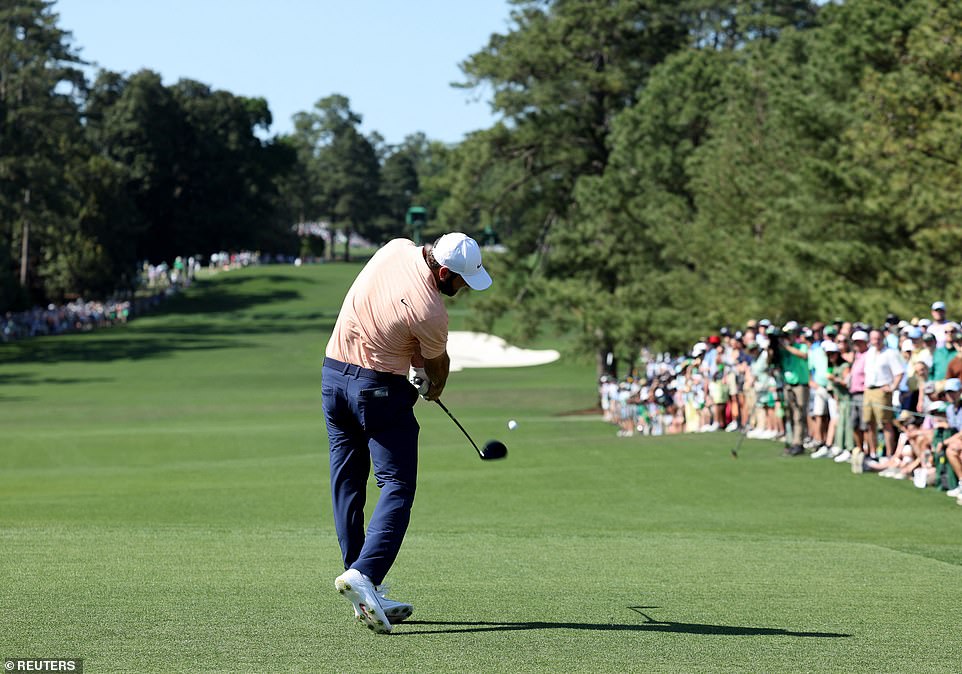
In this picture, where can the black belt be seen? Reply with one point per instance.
(872, 388)
(358, 371)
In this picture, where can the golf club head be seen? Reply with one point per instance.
(494, 449)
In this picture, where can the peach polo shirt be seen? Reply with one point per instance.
(393, 314)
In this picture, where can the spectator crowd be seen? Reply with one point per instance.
(884, 399)
(154, 284)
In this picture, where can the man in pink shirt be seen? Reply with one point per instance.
(392, 318)
(856, 387)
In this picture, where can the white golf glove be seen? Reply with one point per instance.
(419, 379)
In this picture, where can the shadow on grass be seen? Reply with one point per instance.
(30, 379)
(223, 296)
(650, 625)
(118, 345)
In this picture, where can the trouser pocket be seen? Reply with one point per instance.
(379, 405)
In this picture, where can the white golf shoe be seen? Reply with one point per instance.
(396, 611)
(360, 591)
(820, 453)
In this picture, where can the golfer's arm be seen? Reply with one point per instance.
(437, 370)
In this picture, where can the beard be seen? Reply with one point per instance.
(447, 286)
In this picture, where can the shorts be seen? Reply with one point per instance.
(878, 407)
(823, 404)
(856, 413)
(719, 393)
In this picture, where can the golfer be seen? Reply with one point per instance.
(392, 319)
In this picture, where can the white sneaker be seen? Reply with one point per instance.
(954, 493)
(396, 611)
(820, 453)
(360, 591)
(898, 475)
(834, 451)
(732, 427)
(843, 457)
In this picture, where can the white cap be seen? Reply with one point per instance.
(828, 346)
(859, 336)
(462, 255)
(938, 306)
(907, 345)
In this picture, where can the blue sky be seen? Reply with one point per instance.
(394, 60)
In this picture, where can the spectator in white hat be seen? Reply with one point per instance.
(843, 441)
(939, 326)
(919, 352)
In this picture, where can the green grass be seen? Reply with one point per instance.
(164, 507)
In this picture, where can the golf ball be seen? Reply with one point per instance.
(512, 425)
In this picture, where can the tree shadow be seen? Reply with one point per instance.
(650, 625)
(119, 344)
(224, 298)
(30, 379)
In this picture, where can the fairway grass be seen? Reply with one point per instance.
(164, 507)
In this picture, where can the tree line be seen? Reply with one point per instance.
(666, 168)
(657, 168)
(99, 175)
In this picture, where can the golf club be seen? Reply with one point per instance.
(493, 449)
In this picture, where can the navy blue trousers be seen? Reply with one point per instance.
(370, 419)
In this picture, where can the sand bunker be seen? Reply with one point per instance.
(476, 349)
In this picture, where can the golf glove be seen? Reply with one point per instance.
(419, 379)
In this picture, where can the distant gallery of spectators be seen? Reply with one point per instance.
(884, 399)
(155, 283)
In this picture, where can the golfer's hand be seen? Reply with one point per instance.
(422, 385)
(434, 392)
(419, 380)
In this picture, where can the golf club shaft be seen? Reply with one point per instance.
(458, 423)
